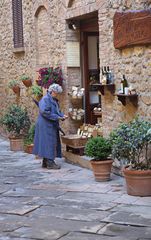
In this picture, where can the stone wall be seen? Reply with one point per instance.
(134, 62)
(45, 36)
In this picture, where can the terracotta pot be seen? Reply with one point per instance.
(16, 144)
(138, 182)
(27, 83)
(16, 90)
(101, 169)
(29, 148)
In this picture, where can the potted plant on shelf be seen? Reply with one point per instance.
(131, 144)
(50, 75)
(17, 123)
(37, 92)
(99, 148)
(14, 85)
(26, 80)
(29, 139)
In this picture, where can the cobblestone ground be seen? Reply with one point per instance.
(65, 204)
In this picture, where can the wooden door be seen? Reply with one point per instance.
(91, 71)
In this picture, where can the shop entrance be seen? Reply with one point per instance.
(91, 69)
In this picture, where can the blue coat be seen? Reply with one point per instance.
(47, 140)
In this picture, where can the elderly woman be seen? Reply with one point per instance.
(47, 141)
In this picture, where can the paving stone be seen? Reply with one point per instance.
(9, 223)
(18, 208)
(128, 218)
(128, 232)
(82, 236)
(89, 197)
(127, 199)
(75, 204)
(70, 213)
(144, 211)
(43, 221)
(38, 233)
(23, 192)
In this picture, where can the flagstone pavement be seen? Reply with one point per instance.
(66, 204)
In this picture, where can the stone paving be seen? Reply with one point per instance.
(66, 204)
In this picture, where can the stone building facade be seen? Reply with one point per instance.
(46, 32)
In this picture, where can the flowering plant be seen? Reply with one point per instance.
(50, 75)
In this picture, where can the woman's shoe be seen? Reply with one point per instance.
(52, 165)
(44, 163)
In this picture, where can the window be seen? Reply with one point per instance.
(17, 24)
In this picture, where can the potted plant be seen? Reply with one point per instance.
(99, 148)
(131, 144)
(17, 123)
(50, 75)
(37, 92)
(26, 80)
(14, 85)
(29, 139)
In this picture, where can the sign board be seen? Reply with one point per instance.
(73, 54)
(132, 28)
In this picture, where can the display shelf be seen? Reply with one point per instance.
(101, 88)
(133, 98)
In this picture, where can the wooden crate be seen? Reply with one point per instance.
(74, 140)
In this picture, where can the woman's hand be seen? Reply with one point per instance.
(64, 117)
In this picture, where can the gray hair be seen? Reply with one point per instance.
(55, 88)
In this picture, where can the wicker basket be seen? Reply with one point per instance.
(76, 102)
(74, 140)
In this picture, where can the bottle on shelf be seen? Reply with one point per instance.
(104, 77)
(109, 76)
(124, 84)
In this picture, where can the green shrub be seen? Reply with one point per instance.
(13, 83)
(36, 90)
(16, 120)
(131, 142)
(98, 147)
(24, 77)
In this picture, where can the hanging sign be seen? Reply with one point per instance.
(73, 54)
(132, 28)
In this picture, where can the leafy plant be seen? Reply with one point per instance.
(98, 147)
(36, 90)
(24, 77)
(131, 142)
(30, 135)
(16, 120)
(50, 75)
(13, 83)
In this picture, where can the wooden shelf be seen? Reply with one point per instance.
(133, 98)
(101, 88)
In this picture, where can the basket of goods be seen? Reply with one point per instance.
(76, 114)
(76, 96)
(89, 130)
(97, 111)
(74, 140)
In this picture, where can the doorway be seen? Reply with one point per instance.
(90, 69)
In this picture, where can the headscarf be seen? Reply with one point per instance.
(55, 88)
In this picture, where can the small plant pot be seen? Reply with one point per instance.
(29, 148)
(138, 182)
(101, 169)
(16, 144)
(27, 83)
(16, 90)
